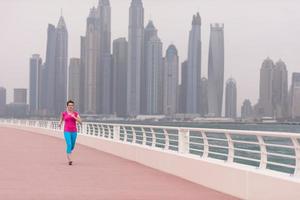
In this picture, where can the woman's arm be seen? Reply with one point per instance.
(77, 118)
(61, 120)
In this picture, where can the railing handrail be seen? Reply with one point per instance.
(233, 131)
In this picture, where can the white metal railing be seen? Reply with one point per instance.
(275, 151)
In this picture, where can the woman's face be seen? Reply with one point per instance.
(70, 107)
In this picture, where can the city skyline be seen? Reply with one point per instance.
(285, 46)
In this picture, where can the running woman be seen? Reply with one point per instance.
(70, 117)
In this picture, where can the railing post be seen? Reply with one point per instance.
(263, 152)
(144, 137)
(48, 124)
(92, 130)
(83, 128)
(153, 138)
(101, 130)
(116, 132)
(205, 145)
(133, 135)
(297, 156)
(125, 134)
(167, 144)
(183, 141)
(88, 130)
(230, 148)
(111, 132)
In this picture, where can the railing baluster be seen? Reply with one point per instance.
(153, 138)
(230, 148)
(167, 141)
(297, 155)
(144, 137)
(183, 145)
(263, 152)
(116, 132)
(205, 145)
(133, 135)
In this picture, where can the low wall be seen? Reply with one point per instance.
(237, 180)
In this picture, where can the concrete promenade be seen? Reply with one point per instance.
(34, 166)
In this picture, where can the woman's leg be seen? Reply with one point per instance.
(69, 144)
(73, 139)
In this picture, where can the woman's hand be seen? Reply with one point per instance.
(72, 115)
(76, 118)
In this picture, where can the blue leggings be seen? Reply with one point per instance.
(70, 138)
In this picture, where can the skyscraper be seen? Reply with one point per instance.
(82, 74)
(135, 56)
(230, 99)
(44, 90)
(170, 81)
(35, 83)
(20, 96)
(204, 97)
(183, 87)
(91, 59)
(295, 96)
(54, 73)
(246, 110)
(154, 86)
(265, 89)
(61, 66)
(74, 81)
(48, 72)
(19, 107)
(2, 101)
(280, 90)
(104, 69)
(149, 32)
(119, 86)
(216, 70)
(194, 66)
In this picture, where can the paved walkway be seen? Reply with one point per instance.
(34, 166)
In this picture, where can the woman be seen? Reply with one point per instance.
(70, 117)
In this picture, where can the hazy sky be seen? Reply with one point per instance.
(254, 30)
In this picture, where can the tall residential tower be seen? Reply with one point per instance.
(35, 84)
(230, 98)
(194, 67)
(104, 68)
(170, 81)
(135, 56)
(216, 70)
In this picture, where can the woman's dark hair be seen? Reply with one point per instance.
(70, 101)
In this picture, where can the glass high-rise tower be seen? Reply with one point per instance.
(170, 81)
(265, 89)
(216, 70)
(280, 90)
(104, 68)
(135, 56)
(35, 84)
(230, 98)
(61, 66)
(149, 32)
(54, 72)
(119, 86)
(194, 67)
(91, 53)
(154, 76)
